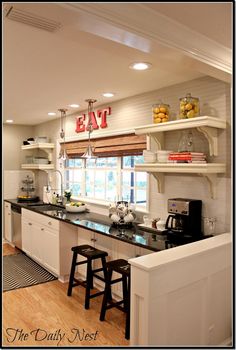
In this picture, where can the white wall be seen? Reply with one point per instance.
(135, 111)
(13, 137)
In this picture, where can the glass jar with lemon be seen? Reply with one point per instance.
(160, 113)
(189, 107)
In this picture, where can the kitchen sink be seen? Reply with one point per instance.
(46, 207)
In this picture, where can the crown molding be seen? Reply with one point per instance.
(138, 26)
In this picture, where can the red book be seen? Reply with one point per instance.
(183, 157)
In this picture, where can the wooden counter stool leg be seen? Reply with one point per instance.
(89, 282)
(127, 323)
(105, 276)
(107, 295)
(125, 292)
(72, 273)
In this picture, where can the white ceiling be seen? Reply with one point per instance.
(89, 55)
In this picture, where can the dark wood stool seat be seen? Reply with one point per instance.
(90, 253)
(122, 267)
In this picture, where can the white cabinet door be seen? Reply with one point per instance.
(126, 250)
(26, 228)
(106, 244)
(37, 243)
(7, 222)
(50, 253)
(143, 251)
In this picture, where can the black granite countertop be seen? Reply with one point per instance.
(146, 238)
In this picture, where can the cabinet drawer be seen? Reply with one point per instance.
(40, 219)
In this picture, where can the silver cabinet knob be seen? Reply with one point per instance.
(42, 229)
(49, 223)
(29, 223)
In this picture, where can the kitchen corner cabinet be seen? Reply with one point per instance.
(7, 222)
(47, 148)
(208, 126)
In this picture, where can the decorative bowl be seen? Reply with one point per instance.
(75, 209)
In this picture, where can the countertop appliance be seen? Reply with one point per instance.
(184, 222)
(16, 225)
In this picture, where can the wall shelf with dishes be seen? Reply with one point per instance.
(208, 126)
(46, 147)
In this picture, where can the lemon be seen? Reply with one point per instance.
(188, 107)
(156, 110)
(164, 120)
(161, 115)
(157, 120)
(190, 114)
(163, 110)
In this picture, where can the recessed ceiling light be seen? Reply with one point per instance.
(140, 65)
(9, 121)
(108, 94)
(74, 105)
(51, 113)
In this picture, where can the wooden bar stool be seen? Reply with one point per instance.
(91, 254)
(122, 267)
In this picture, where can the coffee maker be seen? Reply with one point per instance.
(183, 225)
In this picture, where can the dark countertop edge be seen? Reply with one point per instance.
(67, 221)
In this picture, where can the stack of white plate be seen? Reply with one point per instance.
(162, 156)
(149, 156)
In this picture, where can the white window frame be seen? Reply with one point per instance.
(119, 176)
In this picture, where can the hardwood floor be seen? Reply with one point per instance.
(43, 315)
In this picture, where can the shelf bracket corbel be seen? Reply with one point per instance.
(211, 136)
(49, 153)
(211, 179)
(159, 139)
(160, 181)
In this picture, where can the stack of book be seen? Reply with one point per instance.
(187, 157)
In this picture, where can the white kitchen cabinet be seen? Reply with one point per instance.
(40, 239)
(50, 252)
(26, 228)
(208, 126)
(7, 222)
(47, 148)
(37, 242)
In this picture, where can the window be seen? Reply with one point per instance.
(108, 179)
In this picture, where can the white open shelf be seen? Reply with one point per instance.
(208, 170)
(46, 147)
(37, 166)
(38, 146)
(206, 125)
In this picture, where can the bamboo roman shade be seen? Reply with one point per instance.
(112, 146)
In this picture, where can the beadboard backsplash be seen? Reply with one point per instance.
(214, 96)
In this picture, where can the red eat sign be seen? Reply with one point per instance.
(100, 114)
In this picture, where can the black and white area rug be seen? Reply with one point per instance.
(20, 271)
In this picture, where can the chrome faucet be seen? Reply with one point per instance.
(49, 187)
